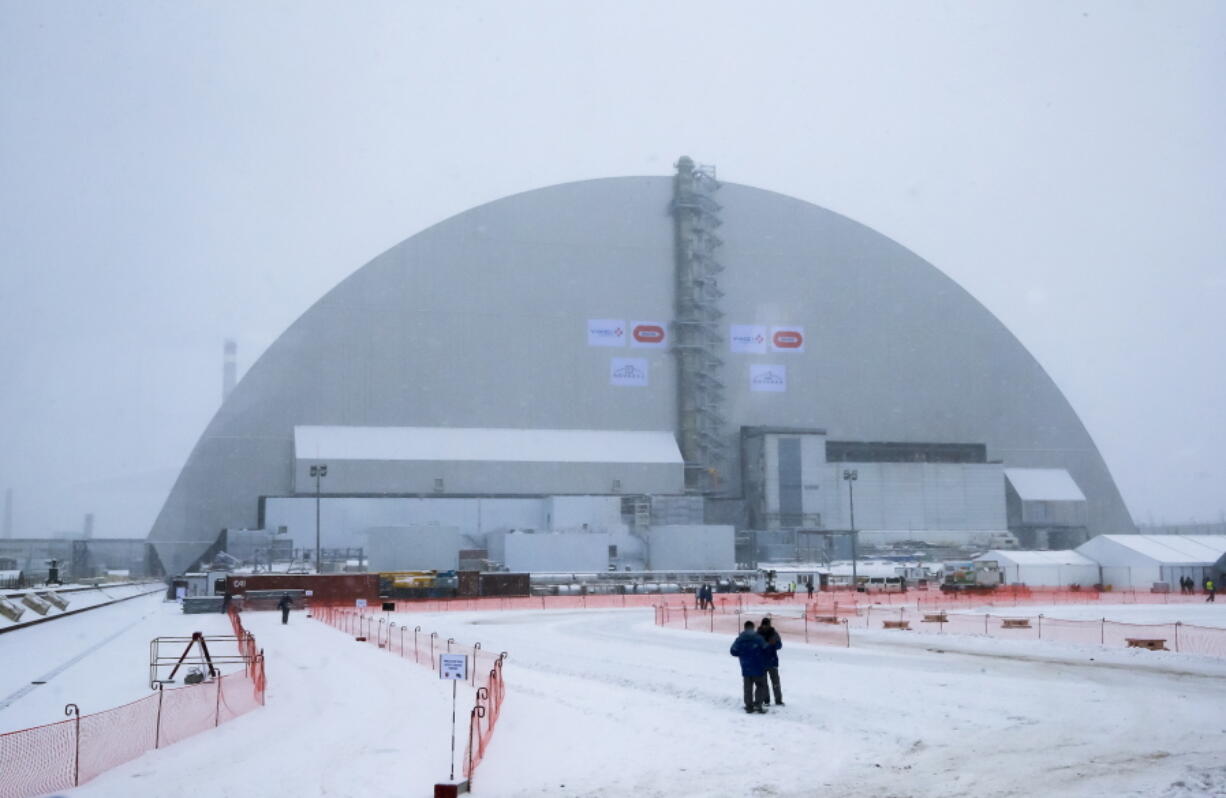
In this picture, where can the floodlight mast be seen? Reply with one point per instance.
(850, 475)
(318, 472)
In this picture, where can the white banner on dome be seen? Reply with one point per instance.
(787, 339)
(631, 371)
(606, 332)
(749, 338)
(649, 334)
(768, 378)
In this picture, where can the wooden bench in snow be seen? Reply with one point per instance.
(896, 624)
(935, 617)
(1014, 623)
(1151, 644)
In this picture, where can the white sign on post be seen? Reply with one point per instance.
(360, 603)
(453, 666)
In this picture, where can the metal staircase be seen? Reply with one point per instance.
(697, 341)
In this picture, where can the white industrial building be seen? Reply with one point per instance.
(1045, 507)
(1044, 568)
(945, 494)
(1136, 562)
(634, 352)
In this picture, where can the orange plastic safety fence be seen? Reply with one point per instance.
(38, 760)
(60, 755)
(1176, 636)
(423, 648)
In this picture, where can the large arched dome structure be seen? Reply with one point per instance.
(482, 321)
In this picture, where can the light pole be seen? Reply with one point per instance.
(318, 472)
(850, 475)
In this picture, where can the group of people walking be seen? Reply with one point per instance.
(1188, 585)
(758, 651)
(704, 597)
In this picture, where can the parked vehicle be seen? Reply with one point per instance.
(967, 575)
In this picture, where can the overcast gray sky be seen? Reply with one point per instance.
(173, 174)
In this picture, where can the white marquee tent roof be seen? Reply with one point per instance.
(1063, 557)
(1160, 549)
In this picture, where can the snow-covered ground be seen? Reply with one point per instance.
(604, 703)
(78, 597)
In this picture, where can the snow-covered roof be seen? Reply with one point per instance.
(1062, 557)
(485, 444)
(1044, 485)
(1167, 549)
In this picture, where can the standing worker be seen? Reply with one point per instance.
(750, 649)
(284, 605)
(773, 643)
(1211, 589)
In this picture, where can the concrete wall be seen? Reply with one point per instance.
(485, 477)
(343, 519)
(916, 496)
(686, 547)
(413, 548)
(573, 512)
(557, 551)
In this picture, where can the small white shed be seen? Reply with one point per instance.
(1044, 568)
(1137, 561)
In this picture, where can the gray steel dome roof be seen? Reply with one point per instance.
(479, 321)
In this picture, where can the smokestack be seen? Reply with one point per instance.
(229, 369)
(8, 513)
(88, 531)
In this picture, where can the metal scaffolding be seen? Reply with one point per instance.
(696, 337)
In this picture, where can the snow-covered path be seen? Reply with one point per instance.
(606, 704)
(603, 703)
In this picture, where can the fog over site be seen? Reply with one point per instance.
(175, 175)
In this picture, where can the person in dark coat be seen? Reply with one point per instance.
(750, 649)
(773, 643)
(225, 602)
(284, 605)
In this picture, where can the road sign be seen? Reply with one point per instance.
(453, 666)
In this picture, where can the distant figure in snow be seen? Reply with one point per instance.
(773, 643)
(225, 602)
(750, 649)
(284, 605)
(1211, 589)
(809, 587)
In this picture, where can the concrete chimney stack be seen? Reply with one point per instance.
(88, 532)
(8, 513)
(229, 369)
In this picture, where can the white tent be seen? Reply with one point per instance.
(1138, 561)
(1044, 568)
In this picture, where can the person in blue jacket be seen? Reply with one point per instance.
(750, 649)
(773, 644)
